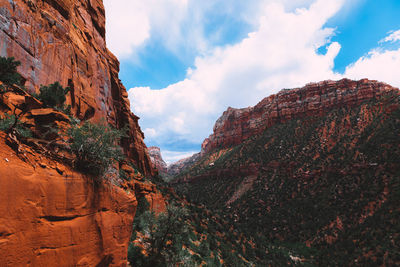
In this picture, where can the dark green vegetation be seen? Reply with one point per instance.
(95, 147)
(11, 123)
(326, 192)
(53, 95)
(186, 235)
(8, 71)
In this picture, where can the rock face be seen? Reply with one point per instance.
(237, 125)
(64, 41)
(323, 181)
(182, 164)
(157, 160)
(51, 215)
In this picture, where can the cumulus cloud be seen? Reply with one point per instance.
(131, 23)
(279, 53)
(393, 37)
(173, 156)
(381, 63)
(377, 65)
(178, 24)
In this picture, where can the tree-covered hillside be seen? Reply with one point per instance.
(323, 188)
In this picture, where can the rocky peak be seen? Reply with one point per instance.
(157, 160)
(177, 167)
(237, 125)
(64, 41)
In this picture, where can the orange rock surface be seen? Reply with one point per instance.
(64, 41)
(51, 215)
(315, 99)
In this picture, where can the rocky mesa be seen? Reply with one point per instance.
(237, 125)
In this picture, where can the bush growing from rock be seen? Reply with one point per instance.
(53, 95)
(164, 236)
(95, 147)
(10, 122)
(8, 71)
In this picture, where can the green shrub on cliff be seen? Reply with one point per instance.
(8, 71)
(163, 238)
(95, 147)
(11, 122)
(53, 95)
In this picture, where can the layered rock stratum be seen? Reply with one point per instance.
(64, 41)
(313, 171)
(237, 125)
(50, 214)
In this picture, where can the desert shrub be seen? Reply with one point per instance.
(53, 95)
(95, 147)
(164, 236)
(8, 71)
(10, 122)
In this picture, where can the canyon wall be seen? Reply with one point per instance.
(51, 215)
(64, 41)
(237, 125)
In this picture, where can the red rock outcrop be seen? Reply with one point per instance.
(237, 125)
(157, 160)
(52, 211)
(51, 215)
(64, 41)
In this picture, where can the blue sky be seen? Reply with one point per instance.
(185, 61)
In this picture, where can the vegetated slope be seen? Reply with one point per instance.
(176, 167)
(204, 238)
(325, 187)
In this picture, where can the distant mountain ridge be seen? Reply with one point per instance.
(237, 125)
(314, 170)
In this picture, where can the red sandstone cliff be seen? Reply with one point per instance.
(51, 215)
(156, 158)
(237, 125)
(64, 40)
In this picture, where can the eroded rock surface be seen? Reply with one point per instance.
(237, 125)
(156, 158)
(64, 41)
(51, 215)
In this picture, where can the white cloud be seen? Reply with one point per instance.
(393, 37)
(280, 53)
(178, 24)
(129, 28)
(150, 132)
(130, 23)
(382, 65)
(173, 156)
